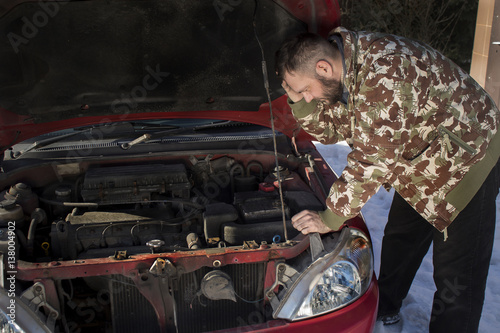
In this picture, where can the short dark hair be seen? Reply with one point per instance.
(302, 52)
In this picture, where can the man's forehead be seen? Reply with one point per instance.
(292, 74)
(295, 80)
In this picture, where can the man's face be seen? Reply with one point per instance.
(316, 87)
(332, 89)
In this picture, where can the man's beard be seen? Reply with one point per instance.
(332, 90)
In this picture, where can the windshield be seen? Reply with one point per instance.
(119, 57)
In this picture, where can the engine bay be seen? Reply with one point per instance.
(159, 241)
(103, 210)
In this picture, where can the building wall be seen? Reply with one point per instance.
(485, 67)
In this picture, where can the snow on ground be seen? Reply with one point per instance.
(416, 309)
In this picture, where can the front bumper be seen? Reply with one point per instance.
(357, 317)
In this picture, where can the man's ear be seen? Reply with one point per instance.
(324, 69)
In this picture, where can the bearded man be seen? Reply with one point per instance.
(418, 123)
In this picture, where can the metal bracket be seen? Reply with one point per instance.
(284, 276)
(250, 245)
(120, 255)
(316, 246)
(35, 298)
(163, 268)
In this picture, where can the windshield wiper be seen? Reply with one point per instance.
(180, 130)
(42, 143)
(86, 129)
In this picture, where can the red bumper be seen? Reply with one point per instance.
(358, 317)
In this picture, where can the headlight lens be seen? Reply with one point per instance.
(7, 324)
(338, 285)
(331, 282)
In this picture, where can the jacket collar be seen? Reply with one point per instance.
(348, 40)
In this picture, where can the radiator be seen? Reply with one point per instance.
(131, 311)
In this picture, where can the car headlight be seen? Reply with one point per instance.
(7, 325)
(331, 282)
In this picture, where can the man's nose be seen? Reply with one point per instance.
(307, 97)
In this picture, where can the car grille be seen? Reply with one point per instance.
(132, 312)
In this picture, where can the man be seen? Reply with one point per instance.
(420, 124)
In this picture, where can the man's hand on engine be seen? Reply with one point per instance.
(308, 221)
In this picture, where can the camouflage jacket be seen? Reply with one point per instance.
(414, 120)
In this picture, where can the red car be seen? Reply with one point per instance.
(150, 169)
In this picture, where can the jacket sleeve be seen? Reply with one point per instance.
(359, 181)
(318, 120)
(325, 125)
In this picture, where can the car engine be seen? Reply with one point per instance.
(156, 207)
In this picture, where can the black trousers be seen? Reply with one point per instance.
(461, 262)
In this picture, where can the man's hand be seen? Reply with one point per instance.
(308, 221)
(292, 94)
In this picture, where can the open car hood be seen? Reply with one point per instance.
(72, 63)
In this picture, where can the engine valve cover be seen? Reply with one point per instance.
(135, 183)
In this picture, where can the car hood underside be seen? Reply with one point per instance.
(88, 58)
(66, 63)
